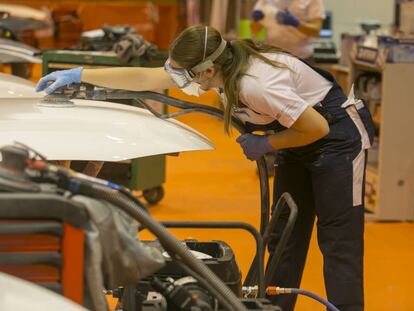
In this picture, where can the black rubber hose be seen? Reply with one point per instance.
(264, 194)
(133, 198)
(285, 199)
(226, 297)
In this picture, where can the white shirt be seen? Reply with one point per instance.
(280, 94)
(288, 37)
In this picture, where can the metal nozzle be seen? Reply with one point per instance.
(273, 290)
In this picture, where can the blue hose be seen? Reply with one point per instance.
(297, 291)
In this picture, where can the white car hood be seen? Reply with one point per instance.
(92, 130)
(17, 294)
(89, 130)
(15, 87)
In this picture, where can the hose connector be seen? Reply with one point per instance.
(273, 290)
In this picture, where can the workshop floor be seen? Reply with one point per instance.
(222, 185)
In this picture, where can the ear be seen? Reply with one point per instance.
(210, 72)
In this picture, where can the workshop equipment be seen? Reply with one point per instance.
(217, 255)
(12, 52)
(18, 27)
(27, 177)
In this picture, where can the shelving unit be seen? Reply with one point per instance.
(390, 170)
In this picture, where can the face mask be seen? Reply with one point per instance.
(193, 89)
(180, 76)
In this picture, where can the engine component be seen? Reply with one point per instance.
(217, 255)
(184, 294)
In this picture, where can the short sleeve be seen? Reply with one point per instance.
(274, 95)
(316, 10)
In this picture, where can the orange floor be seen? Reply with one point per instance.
(222, 185)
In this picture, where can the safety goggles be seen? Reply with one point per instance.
(182, 77)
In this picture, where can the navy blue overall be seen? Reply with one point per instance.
(320, 178)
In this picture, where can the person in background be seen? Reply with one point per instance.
(291, 24)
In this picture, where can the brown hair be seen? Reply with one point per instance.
(188, 48)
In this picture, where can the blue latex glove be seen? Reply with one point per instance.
(257, 15)
(254, 146)
(286, 18)
(59, 78)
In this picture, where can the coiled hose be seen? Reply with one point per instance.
(226, 297)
